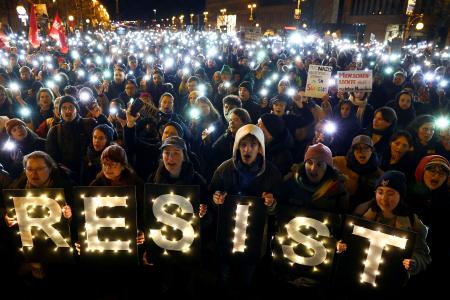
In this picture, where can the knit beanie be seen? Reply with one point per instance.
(395, 180)
(68, 99)
(115, 153)
(10, 124)
(226, 70)
(321, 152)
(247, 85)
(274, 124)
(177, 126)
(107, 130)
(428, 161)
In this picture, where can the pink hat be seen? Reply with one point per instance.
(321, 152)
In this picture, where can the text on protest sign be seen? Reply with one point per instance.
(355, 81)
(43, 233)
(304, 246)
(317, 81)
(240, 227)
(374, 254)
(173, 223)
(108, 224)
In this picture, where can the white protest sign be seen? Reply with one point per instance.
(355, 81)
(318, 80)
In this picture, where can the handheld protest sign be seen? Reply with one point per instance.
(107, 228)
(173, 225)
(318, 81)
(303, 248)
(374, 256)
(355, 81)
(43, 234)
(240, 228)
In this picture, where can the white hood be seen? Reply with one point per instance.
(256, 132)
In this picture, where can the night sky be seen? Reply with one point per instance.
(143, 9)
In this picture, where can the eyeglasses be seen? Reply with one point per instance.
(438, 171)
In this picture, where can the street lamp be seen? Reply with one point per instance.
(412, 18)
(70, 18)
(192, 18)
(251, 6)
(205, 18)
(181, 21)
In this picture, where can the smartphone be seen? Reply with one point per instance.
(121, 114)
(136, 106)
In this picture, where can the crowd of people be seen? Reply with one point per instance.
(209, 109)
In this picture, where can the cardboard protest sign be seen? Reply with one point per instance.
(374, 256)
(317, 81)
(304, 247)
(240, 229)
(107, 224)
(173, 225)
(43, 234)
(355, 81)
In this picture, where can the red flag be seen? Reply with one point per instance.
(57, 32)
(33, 32)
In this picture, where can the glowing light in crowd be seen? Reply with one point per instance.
(194, 113)
(330, 127)
(25, 112)
(442, 122)
(9, 145)
(264, 92)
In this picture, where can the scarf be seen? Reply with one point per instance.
(361, 108)
(369, 167)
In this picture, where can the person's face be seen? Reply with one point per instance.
(225, 77)
(166, 104)
(267, 136)
(425, 132)
(234, 123)
(132, 64)
(173, 159)
(168, 132)
(282, 87)
(24, 75)
(192, 85)
(398, 79)
(400, 146)
(279, 108)
(244, 94)
(226, 109)
(315, 169)
(434, 177)
(37, 172)
(111, 169)
(45, 101)
(345, 111)
(69, 112)
(99, 140)
(130, 89)
(19, 132)
(216, 77)
(379, 123)
(249, 149)
(204, 108)
(12, 61)
(362, 153)
(192, 97)
(119, 76)
(157, 80)
(404, 101)
(387, 199)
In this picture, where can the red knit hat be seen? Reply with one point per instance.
(321, 152)
(428, 161)
(10, 124)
